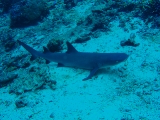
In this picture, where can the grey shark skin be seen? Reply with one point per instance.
(83, 60)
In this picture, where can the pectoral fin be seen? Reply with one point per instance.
(92, 72)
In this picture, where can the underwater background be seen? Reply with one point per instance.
(34, 90)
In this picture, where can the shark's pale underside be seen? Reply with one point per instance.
(83, 60)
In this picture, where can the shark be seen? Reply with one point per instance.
(73, 58)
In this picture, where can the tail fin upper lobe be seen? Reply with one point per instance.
(33, 52)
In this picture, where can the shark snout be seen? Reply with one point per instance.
(123, 57)
(118, 58)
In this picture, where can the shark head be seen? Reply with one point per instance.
(111, 59)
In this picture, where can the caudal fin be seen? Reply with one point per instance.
(33, 52)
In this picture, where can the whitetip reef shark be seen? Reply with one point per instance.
(73, 58)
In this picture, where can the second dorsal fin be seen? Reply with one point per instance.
(45, 50)
(71, 49)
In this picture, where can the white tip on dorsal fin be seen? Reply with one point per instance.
(71, 49)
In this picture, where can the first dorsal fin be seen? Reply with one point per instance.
(71, 49)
